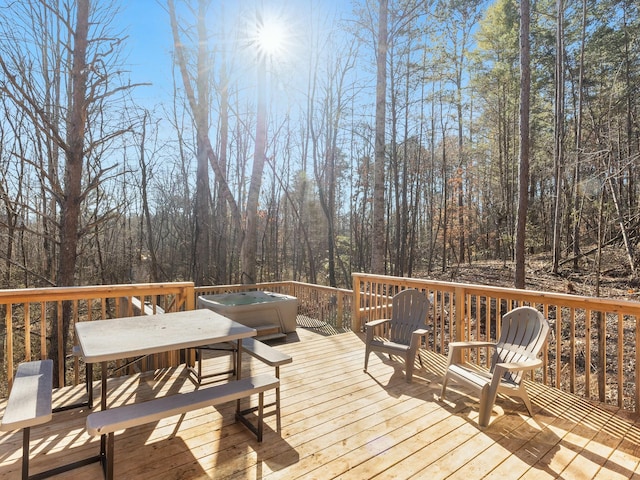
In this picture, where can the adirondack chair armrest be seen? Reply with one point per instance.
(416, 338)
(374, 323)
(370, 327)
(518, 366)
(472, 344)
(456, 348)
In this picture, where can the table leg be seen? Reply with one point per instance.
(239, 360)
(103, 394)
(103, 406)
(238, 370)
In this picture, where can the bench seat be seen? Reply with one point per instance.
(29, 401)
(107, 422)
(264, 352)
(135, 414)
(29, 405)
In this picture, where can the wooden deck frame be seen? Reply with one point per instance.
(350, 425)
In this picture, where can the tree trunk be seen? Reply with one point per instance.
(202, 211)
(558, 150)
(250, 239)
(378, 233)
(577, 177)
(523, 173)
(70, 207)
(221, 222)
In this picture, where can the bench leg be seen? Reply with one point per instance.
(25, 452)
(278, 425)
(26, 434)
(258, 427)
(109, 459)
(107, 447)
(260, 416)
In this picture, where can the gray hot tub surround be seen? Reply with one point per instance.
(255, 309)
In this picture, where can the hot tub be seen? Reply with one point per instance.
(255, 309)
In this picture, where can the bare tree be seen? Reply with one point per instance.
(558, 144)
(378, 233)
(198, 91)
(75, 62)
(523, 173)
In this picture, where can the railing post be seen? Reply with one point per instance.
(189, 294)
(459, 297)
(460, 307)
(635, 370)
(356, 303)
(9, 342)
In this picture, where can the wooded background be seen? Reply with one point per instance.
(382, 137)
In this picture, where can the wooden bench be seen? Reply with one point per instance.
(107, 422)
(271, 357)
(29, 403)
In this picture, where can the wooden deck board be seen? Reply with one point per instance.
(340, 422)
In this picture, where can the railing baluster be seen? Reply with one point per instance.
(572, 350)
(637, 362)
(620, 358)
(27, 332)
(587, 354)
(558, 313)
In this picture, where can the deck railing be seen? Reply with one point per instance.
(592, 350)
(31, 313)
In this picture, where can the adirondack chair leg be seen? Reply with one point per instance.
(411, 359)
(366, 358)
(445, 380)
(487, 399)
(367, 351)
(410, 362)
(525, 398)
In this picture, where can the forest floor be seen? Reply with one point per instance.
(615, 276)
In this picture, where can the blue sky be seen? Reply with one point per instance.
(149, 45)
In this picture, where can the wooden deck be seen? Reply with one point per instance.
(339, 422)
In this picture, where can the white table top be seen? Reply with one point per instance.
(107, 340)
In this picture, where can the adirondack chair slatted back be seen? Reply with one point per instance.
(409, 313)
(524, 333)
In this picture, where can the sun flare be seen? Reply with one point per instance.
(270, 35)
(270, 38)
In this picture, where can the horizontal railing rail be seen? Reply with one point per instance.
(592, 350)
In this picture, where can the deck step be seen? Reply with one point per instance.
(269, 332)
(271, 336)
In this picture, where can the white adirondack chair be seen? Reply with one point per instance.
(524, 333)
(404, 330)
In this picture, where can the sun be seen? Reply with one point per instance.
(270, 36)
